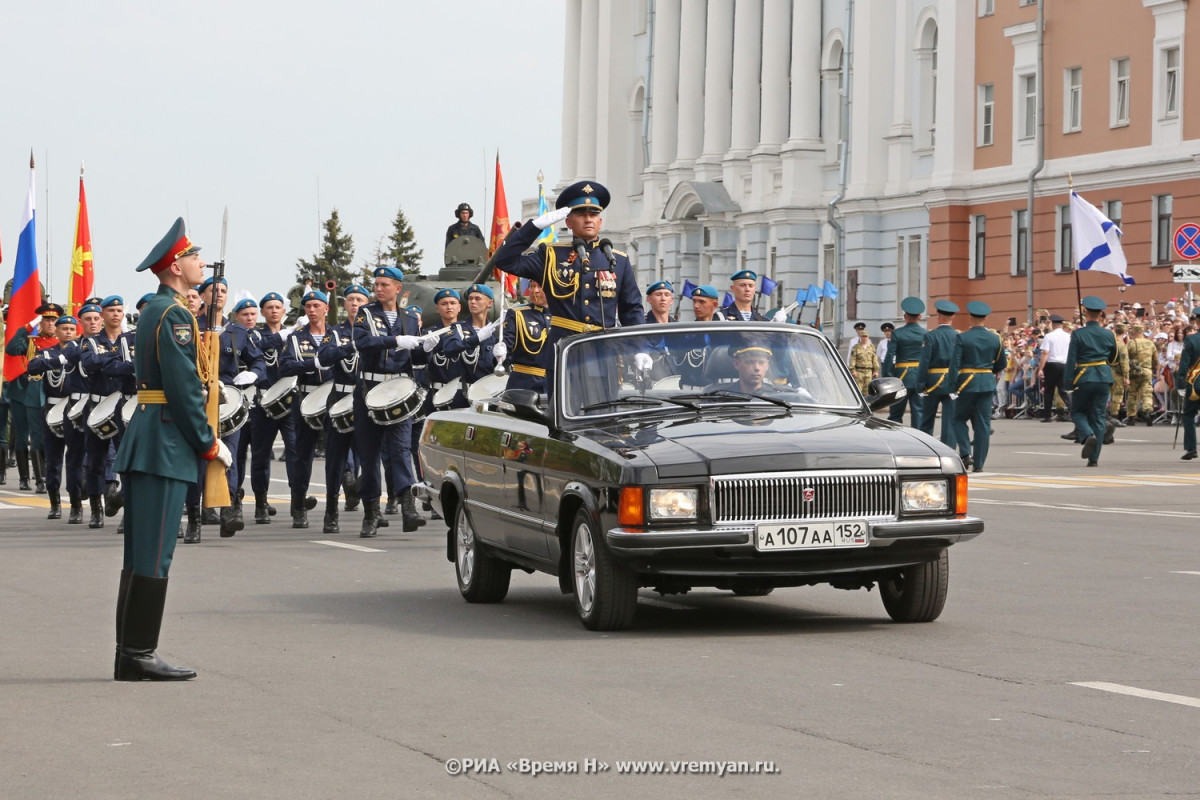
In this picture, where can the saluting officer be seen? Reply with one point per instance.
(903, 357)
(982, 358)
(299, 357)
(474, 341)
(157, 458)
(26, 398)
(107, 371)
(937, 373)
(523, 342)
(1090, 355)
(1187, 383)
(59, 382)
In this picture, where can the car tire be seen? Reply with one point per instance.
(605, 590)
(754, 591)
(917, 593)
(482, 578)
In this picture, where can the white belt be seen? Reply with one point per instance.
(77, 396)
(378, 377)
(96, 398)
(128, 397)
(435, 385)
(343, 387)
(305, 388)
(55, 401)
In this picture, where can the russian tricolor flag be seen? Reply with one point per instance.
(26, 288)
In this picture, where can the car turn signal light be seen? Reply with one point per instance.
(631, 507)
(960, 495)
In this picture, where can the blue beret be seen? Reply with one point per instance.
(945, 307)
(66, 320)
(413, 309)
(89, 308)
(654, 287)
(269, 296)
(705, 291)
(585, 194)
(978, 308)
(242, 305)
(209, 282)
(479, 288)
(355, 288)
(744, 275)
(1093, 303)
(389, 272)
(146, 298)
(912, 305)
(112, 300)
(442, 293)
(313, 295)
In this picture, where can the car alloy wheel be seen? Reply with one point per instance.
(605, 589)
(482, 578)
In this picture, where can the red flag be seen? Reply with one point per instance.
(500, 229)
(82, 271)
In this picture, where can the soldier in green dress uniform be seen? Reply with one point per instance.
(1090, 356)
(157, 457)
(902, 358)
(1187, 383)
(982, 357)
(937, 373)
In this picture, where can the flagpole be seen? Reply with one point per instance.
(1078, 289)
(49, 269)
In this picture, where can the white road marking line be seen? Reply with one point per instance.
(10, 505)
(1040, 453)
(1183, 572)
(1073, 507)
(347, 546)
(1133, 691)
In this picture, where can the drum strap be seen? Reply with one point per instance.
(156, 397)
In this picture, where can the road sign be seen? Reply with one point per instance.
(1186, 273)
(1187, 241)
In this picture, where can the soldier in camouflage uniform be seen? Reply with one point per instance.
(1143, 362)
(1120, 371)
(864, 361)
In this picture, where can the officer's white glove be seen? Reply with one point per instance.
(642, 362)
(500, 351)
(404, 342)
(1182, 392)
(62, 359)
(779, 316)
(954, 395)
(430, 341)
(487, 330)
(223, 454)
(244, 378)
(551, 218)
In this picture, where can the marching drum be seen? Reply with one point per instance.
(341, 415)
(56, 416)
(76, 411)
(103, 419)
(487, 387)
(127, 411)
(232, 412)
(444, 396)
(277, 401)
(314, 405)
(394, 400)
(667, 384)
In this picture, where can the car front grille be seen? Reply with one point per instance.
(834, 495)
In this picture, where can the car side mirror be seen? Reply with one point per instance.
(882, 392)
(522, 404)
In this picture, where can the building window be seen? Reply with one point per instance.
(1020, 250)
(987, 114)
(987, 8)
(833, 102)
(1112, 210)
(1028, 3)
(979, 246)
(1171, 77)
(1162, 205)
(1027, 124)
(1119, 99)
(851, 294)
(1072, 100)
(1066, 259)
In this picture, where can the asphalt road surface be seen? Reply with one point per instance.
(1065, 664)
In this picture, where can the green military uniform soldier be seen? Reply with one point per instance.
(1143, 362)
(1088, 372)
(1187, 383)
(26, 398)
(157, 457)
(864, 361)
(902, 358)
(937, 373)
(982, 357)
(1120, 372)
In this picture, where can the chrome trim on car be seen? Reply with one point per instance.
(780, 496)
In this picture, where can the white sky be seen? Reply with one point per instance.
(180, 110)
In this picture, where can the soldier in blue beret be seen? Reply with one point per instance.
(660, 295)
(742, 286)
(157, 457)
(1187, 383)
(61, 380)
(937, 372)
(982, 359)
(903, 357)
(299, 358)
(474, 341)
(146, 298)
(1090, 355)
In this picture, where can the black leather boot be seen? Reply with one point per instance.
(330, 524)
(140, 626)
(94, 503)
(39, 471)
(23, 469)
(392, 508)
(370, 525)
(191, 534)
(209, 517)
(237, 511)
(1109, 429)
(350, 485)
(122, 592)
(3, 465)
(75, 517)
(55, 505)
(230, 524)
(261, 517)
(114, 498)
(412, 520)
(299, 512)
(310, 502)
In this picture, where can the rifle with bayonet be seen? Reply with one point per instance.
(216, 485)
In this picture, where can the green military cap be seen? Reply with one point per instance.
(1093, 303)
(174, 245)
(978, 308)
(945, 307)
(912, 305)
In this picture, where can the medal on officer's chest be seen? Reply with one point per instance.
(606, 282)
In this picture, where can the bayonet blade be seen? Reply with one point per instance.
(224, 232)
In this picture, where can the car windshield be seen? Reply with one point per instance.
(701, 365)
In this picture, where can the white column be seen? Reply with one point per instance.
(776, 35)
(900, 129)
(806, 72)
(718, 78)
(588, 45)
(570, 111)
(664, 108)
(747, 37)
(691, 83)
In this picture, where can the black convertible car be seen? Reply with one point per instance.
(744, 458)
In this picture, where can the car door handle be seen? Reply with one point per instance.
(505, 438)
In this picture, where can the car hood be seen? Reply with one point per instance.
(766, 443)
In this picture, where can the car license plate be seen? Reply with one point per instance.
(812, 535)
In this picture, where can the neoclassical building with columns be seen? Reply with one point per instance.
(862, 142)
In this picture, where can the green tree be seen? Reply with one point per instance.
(402, 247)
(334, 260)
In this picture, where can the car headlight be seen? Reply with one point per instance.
(924, 495)
(673, 504)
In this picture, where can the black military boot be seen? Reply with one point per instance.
(122, 593)
(114, 498)
(261, 516)
(209, 517)
(237, 511)
(97, 508)
(75, 517)
(142, 620)
(191, 534)
(3, 464)
(310, 502)
(1109, 429)
(412, 520)
(23, 469)
(330, 524)
(370, 525)
(230, 524)
(39, 471)
(299, 512)
(392, 508)
(350, 485)
(55, 505)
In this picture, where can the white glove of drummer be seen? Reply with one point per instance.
(244, 378)
(430, 341)
(404, 342)
(551, 218)
(62, 359)
(500, 351)
(487, 330)
(223, 454)
(642, 362)
(779, 316)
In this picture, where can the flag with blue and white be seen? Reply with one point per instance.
(549, 235)
(1096, 241)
